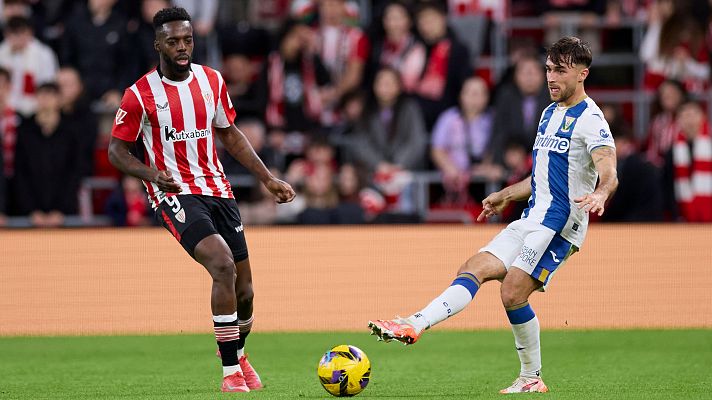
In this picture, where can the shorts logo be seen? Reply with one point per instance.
(528, 255)
(120, 114)
(567, 123)
(553, 256)
(239, 229)
(180, 216)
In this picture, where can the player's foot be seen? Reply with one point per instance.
(235, 383)
(399, 329)
(526, 385)
(251, 378)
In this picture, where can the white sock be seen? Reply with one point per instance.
(526, 338)
(231, 370)
(450, 302)
(240, 353)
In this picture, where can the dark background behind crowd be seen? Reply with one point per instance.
(375, 111)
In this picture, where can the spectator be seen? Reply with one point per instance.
(674, 47)
(391, 135)
(639, 197)
(144, 36)
(318, 153)
(350, 184)
(127, 205)
(691, 167)
(295, 80)
(254, 131)
(398, 48)
(518, 164)
(447, 63)
(96, 43)
(344, 50)
(663, 128)
(581, 14)
(78, 117)
(391, 141)
(204, 14)
(241, 77)
(46, 171)
(30, 63)
(518, 107)
(460, 140)
(351, 110)
(321, 197)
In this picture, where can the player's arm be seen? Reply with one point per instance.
(240, 148)
(124, 133)
(604, 159)
(120, 157)
(498, 201)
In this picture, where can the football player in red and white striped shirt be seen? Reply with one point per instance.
(177, 110)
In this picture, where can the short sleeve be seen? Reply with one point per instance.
(596, 132)
(225, 113)
(127, 123)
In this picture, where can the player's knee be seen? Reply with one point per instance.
(511, 296)
(222, 269)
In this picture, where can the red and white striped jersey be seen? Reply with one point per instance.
(176, 120)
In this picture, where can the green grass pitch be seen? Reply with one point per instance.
(639, 364)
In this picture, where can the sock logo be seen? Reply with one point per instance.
(553, 256)
(520, 349)
(449, 310)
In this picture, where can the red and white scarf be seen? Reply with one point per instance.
(9, 122)
(693, 175)
(432, 84)
(275, 76)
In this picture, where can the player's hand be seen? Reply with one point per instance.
(281, 190)
(593, 203)
(493, 205)
(165, 182)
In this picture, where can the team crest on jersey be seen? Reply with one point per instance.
(567, 123)
(180, 216)
(120, 114)
(208, 97)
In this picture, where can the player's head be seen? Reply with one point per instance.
(567, 63)
(174, 38)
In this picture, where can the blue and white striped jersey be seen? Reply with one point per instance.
(563, 168)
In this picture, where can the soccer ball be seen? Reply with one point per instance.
(344, 371)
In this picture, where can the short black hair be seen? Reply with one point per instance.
(170, 14)
(436, 6)
(570, 50)
(48, 87)
(17, 24)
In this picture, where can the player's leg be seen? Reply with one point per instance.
(515, 291)
(215, 255)
(226, 217)
(542, 254)
(487, 265)
(189, 219)
(245, 294)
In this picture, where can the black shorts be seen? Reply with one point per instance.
(191, 218)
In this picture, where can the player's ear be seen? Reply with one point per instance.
(155, 45)
(583, 74)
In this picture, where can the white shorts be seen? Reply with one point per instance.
(531, 247)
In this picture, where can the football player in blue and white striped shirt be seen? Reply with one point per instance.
(573, 149)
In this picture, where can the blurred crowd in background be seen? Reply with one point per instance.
(374, 110)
